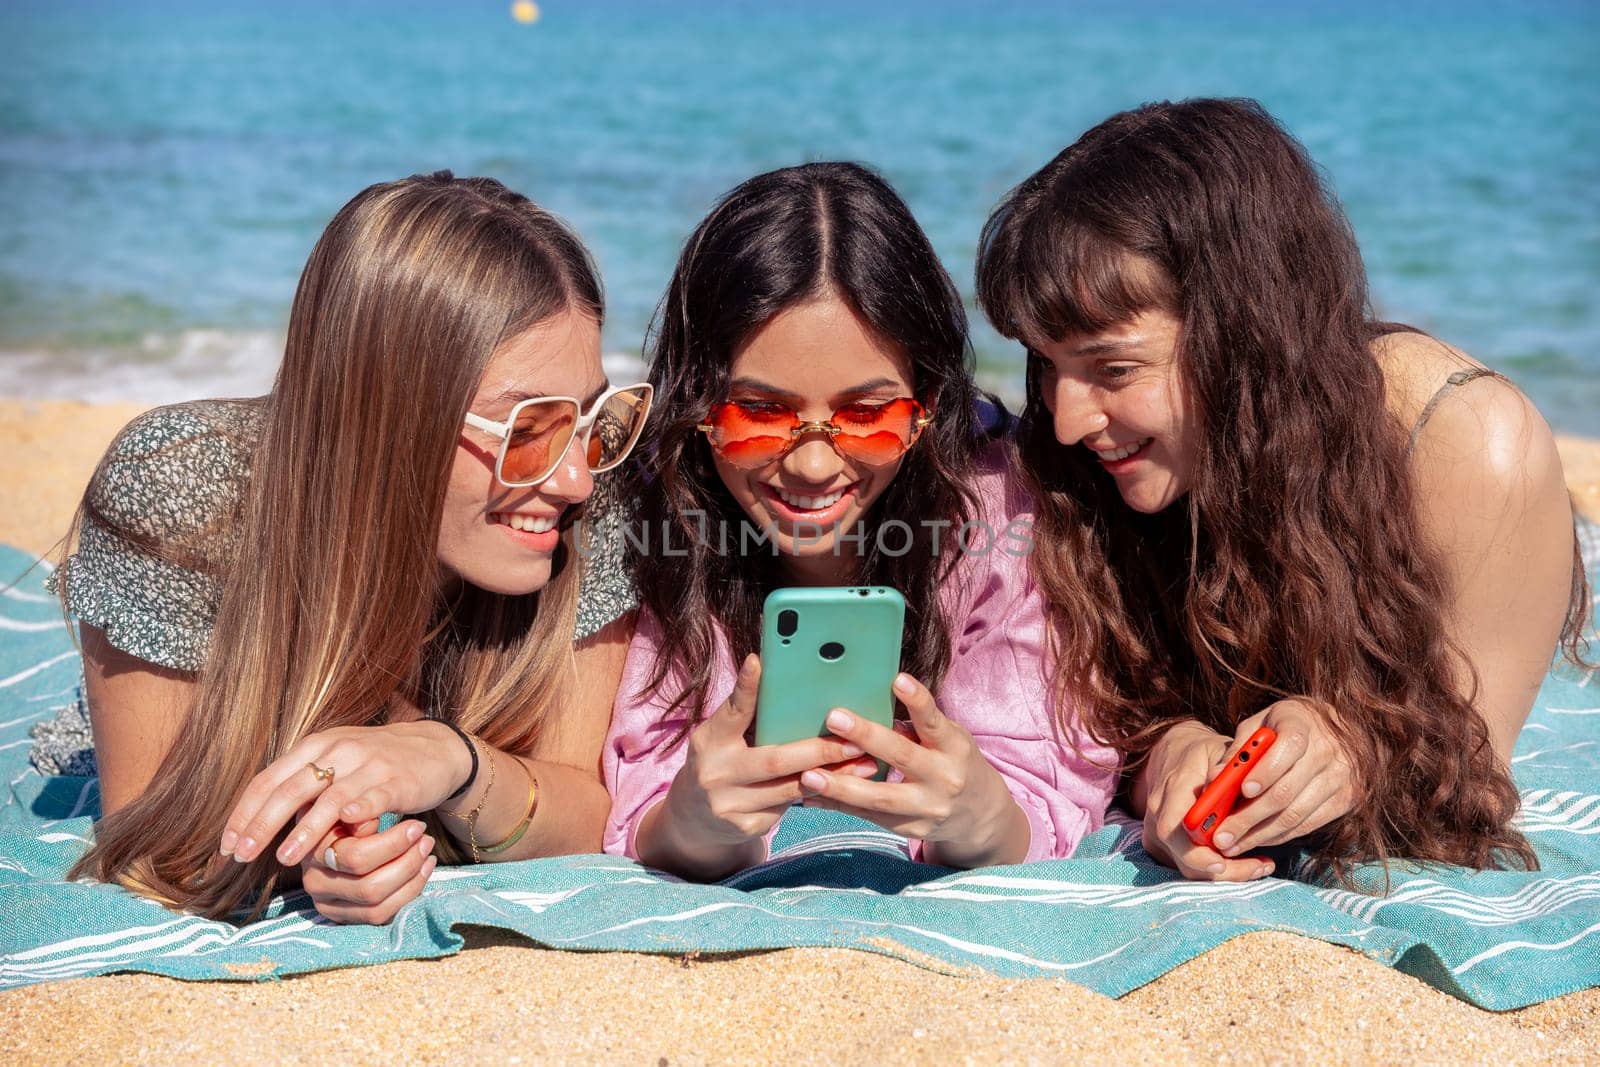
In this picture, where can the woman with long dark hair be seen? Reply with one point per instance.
(1259, 505)
(357, 594)
(812, 381)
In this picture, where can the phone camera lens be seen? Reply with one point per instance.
(832, 650)
(788, 622)
(1244, 757)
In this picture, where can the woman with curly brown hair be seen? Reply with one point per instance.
(1259, 505)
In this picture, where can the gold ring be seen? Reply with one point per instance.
(324, 774)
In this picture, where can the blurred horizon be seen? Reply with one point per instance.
(166, 167)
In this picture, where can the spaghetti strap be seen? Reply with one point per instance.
(1459, 378)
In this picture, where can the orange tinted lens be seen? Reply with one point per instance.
(540, 433)
(616, 427)
(876, 433)
(750, 436)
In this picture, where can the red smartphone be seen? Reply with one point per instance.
(1217, 799)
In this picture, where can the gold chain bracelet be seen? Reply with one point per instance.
(527, 817)
(471, 817)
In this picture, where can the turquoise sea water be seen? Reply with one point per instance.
(166, 167)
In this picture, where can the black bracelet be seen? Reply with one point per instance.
(471, 748)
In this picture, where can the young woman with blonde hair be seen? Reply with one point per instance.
(358, 595)
(1258, 504)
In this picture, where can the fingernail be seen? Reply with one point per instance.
(329, 859)
(905, 685)
(1216, 868)
(864, 770)
(1266, 869)
(839, 720)
(229, 839)
(1251, 789)
(851, 750)
(351, 810)
(426, 846)
(429, 864)
(748, 666)
(245, 851)
(1222, 840)
(413, 832)
(289, 852)
(815, 781)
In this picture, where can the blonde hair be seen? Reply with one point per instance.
(331, 606)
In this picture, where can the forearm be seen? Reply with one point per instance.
(662, 843)
(569, 808)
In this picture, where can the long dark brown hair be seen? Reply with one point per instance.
(331, 606)
(777, 241)
(1296, 565)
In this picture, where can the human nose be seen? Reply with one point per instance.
(571, 480)
(1076, 411)
(813, 459)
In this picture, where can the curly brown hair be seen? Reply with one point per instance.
(1296, 566)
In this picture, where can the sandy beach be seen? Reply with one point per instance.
(1261, 998)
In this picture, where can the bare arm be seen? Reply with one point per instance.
(1493, 501)
(573, 803)
(136, 709)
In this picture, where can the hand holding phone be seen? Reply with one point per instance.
(728, 794)
(1217, 800)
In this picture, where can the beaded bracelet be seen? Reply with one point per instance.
(472, 749)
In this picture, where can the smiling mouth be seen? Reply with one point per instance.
(1117, 455)
(525, 523)
(811, 503)
(824, 507)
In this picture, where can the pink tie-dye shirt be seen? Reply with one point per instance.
(996, 687)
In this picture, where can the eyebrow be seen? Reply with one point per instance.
(757, 385)
(1100, 346)
(517, 396)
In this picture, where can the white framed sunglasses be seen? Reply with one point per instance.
(539, 431)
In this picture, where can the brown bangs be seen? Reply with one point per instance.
(1042, 276)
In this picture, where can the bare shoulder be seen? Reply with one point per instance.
(1483, 433)
(1485, 424)
(1414, 366)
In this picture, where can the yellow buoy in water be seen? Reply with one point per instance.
(525, 11)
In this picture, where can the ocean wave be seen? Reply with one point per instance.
(165, 368)
(162, 368)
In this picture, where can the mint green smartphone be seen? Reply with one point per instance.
(824, 648)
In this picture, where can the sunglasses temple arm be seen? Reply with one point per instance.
(478, 422)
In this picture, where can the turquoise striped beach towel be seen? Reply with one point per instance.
(1109, 918)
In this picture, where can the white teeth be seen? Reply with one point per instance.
(810, 503)
(1123, 453)
(525, 523)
